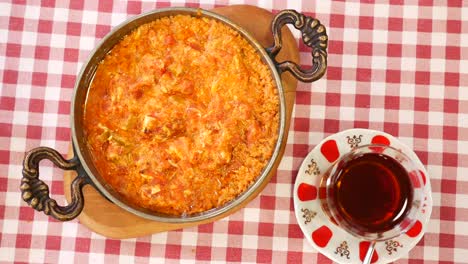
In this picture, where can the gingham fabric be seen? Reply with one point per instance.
(399, 67)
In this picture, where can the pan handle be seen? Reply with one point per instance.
(314, 36)
(36, 193)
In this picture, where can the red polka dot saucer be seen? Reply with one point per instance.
(325, 236)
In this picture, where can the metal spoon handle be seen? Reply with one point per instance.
(370, 252)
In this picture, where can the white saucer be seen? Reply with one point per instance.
(327, 237)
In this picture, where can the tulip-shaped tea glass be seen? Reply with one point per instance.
(372, 192)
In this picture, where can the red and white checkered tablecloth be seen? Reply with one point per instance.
(400, 67)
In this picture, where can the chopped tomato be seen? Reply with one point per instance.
(187, 87)
(169, 40)
(195, 46)
(253, 133)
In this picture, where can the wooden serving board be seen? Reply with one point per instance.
(105, 218)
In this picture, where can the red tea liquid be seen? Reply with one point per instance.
(372, 192)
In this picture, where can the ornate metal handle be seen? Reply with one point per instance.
(314, 35)
(36, 193)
